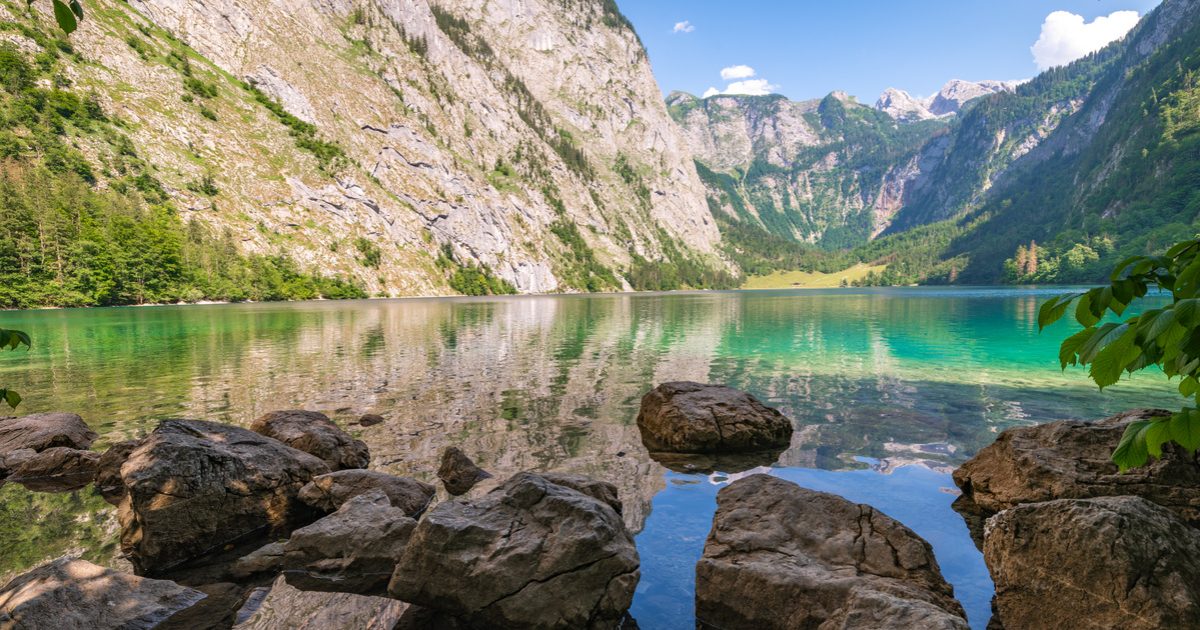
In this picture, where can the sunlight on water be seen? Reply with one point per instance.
(890, 389)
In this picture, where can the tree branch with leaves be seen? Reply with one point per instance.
(1167, 337)
(67, 14)
(12, 339)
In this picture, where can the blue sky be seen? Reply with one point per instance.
(805, 49)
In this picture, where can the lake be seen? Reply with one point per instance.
(889, 389)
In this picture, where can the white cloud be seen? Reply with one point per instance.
(752, 87)
(683, 27)
(737, 72)
(1066, 36)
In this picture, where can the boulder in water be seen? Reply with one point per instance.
(685, 417)
(328, 492)
(41, 431)
(57, 469)
(315, 434)
(458, 473)
(284, 606)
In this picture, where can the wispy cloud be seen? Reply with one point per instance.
(683, 27)
(737, 72)
(1066, 36)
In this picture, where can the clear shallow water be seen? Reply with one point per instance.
(890, 389)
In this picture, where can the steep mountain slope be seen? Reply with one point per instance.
(829, 171)
(1117, 177)
(948, 101)
(417, 147)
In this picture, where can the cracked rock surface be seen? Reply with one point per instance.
(782, 556)
(193, 486)
(328, 492)
(499, 560)
(1108, 562)
(686, 417)
(314, 433)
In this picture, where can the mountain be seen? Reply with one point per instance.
(404, 146)
(948, 101)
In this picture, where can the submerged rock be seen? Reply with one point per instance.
(41, 431)
(370, 420)
(284, 606)
(328, 492)
(315, 434)
(194, 486)
(458, 473)
(530, 554)
(782, 556)
(69, 594)
(1109, 562)
(57, 469)
(108, 473)
(1072, 460)
(685, 417)
(353, 550)
(265, 559)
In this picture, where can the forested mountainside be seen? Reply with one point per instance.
(250, 149)
(1050, 181)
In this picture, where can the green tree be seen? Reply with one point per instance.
(1167, 337)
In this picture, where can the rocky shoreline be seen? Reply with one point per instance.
(282, 525)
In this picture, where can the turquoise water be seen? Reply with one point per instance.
(889, 390)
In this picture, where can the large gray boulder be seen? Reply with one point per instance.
(56, 469)
(41, 431)
(782, 556)
(529, 554)
(458, 473)
(684, 417)
(70, 594)
(353, 550)
(108, 471)
(328, 492)
(315, 434)
(1072, 460)
(284, 606)
(1107, 562)
(194, 486)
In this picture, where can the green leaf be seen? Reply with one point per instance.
(1189, 386)
(1112, 360)
(77, 9)
(64, 16)
(1185, 429)
(1054, 309)
(11, 397)
(1155, 327)
(1131, 452)
(1104, 335)
(1157, 433)
(1070, 346)
(1083, 311)
(1121, 266)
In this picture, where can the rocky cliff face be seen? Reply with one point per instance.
(524, 136)
(948, 101)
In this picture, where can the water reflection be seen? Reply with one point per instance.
(899, 377)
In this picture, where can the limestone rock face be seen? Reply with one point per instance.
(353, 550)
(287, 607)
(1071, 460)
(328, 492)
(315, 434)
(781, 556)
(41, 431)
(458, 473)
(73, 594)
(956, 93)
(903, 106)
(500, 560)
(684, 417)
(57, 469)
(1108, 562)
(193, 486)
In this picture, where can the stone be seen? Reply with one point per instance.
(328, 492)
(353, 550)
(70, 593)
(1106, 562)
(287, 607)
(529, 554)
(685, 417)
(370, 420)
(1072, 460)
(265, 559)
(108, 474)
(41, 431)
(12, 460)
(57, 469)
(315, 434)
(782, 556)
(458, 473)
(602, 491)
(193, 487)
(217, 611)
